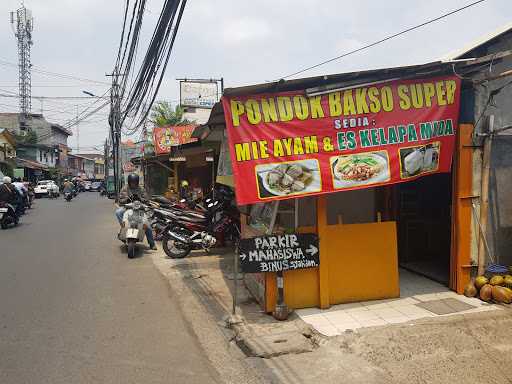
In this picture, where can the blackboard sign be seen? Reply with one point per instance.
(279, 253)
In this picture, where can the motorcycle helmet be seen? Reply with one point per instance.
(133, 180)
(7, 180)
(184, 183)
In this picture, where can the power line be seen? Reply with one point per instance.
(50, 97)
(382, 40)
(54, 74)
(52, 86)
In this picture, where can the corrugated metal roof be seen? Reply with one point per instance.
(434, 68)
(457, 54)
(8, 135)
(357, 76)
(24, 163)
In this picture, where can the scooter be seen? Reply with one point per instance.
(7, 215)
(133, 226)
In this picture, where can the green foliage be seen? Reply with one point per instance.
(54, 173)
(29, 138)
(163, 114)
(7, 169)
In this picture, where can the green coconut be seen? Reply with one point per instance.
(497, 280)
(486, 292)
(480, 281)
(508, 281)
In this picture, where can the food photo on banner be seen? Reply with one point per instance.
(164, 138)
(289, 144)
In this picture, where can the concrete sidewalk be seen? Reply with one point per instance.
(474, 347)
(257, 334)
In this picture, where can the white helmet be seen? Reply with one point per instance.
(7, 180)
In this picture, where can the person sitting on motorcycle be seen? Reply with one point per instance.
(67, 187)
(184, 190)
(9, 194)
(129, 193)
(22, 192)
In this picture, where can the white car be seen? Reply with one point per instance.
(44, 186)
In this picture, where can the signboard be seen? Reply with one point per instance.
(128, 166)
(289, 144)
(19, 173)
(279, 253)
(199, 94)
(164, 138)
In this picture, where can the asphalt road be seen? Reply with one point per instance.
(74, 309)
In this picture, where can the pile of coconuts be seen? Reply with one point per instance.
(497, 289)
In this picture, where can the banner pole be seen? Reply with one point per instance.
(281, 311)
(235, 277)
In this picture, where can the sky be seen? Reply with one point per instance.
(243, 41)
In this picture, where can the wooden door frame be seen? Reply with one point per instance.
(462, 198)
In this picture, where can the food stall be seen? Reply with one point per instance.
(377, 164)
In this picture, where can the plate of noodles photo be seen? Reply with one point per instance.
(360, 169)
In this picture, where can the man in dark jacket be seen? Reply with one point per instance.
(129, 193)
(8, 192)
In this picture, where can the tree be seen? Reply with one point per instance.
(162, 114)
(30, 137)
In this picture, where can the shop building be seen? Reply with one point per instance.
(7, 152)
(180, 157)
(424, 207)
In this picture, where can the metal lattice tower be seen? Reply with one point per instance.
(22, 23)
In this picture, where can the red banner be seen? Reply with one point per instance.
(289, 144)
(164, 138)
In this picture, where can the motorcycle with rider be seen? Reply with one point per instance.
(131, 216)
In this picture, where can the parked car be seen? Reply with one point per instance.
(41, 188)
(95, 186)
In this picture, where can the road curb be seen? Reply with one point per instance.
(216, 339)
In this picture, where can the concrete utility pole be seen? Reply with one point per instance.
(115, 128)
(22, 23)
(77, 131)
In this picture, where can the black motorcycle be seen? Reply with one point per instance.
(7, 215)
(182, 230)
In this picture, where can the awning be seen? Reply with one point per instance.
(24, 163)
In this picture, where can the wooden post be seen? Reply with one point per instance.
(176, 185)
(484, 195)
(323, 269)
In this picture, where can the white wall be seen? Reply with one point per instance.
(45, 157)
(198, 115)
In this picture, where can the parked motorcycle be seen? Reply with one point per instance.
(186, 230)
(132, 227)
(7, 215)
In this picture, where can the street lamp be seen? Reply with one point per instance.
(89, 94)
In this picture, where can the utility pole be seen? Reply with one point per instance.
(77, 131)
(22, 24)
(144, 165)
(115, 128)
